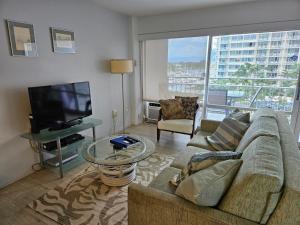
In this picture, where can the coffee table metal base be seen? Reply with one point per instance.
(117, 176)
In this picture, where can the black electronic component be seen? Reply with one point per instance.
(64, 142)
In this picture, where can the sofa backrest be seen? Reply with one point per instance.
(267, 112)
(260, 126)
(257, 186)
(287, 211)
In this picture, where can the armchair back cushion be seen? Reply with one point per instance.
(171, 109)
(189, 105)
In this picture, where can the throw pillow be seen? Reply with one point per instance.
(171, 109)
(206, 187)
(228, 135)
(189, 106)
(240, 116)
(200, 161)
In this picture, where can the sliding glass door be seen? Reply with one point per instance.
(251, 71)
(245, 71)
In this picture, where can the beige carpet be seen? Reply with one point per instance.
(86, 201)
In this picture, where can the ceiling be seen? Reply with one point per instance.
(155, 7)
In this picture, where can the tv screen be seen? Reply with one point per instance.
(60, 104)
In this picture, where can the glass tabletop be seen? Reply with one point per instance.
(102, 151)
(46, 136)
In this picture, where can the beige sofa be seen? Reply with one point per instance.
(266, 189)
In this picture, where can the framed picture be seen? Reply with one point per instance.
(63, 41)
(21, 38)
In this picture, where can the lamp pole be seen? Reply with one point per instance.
(123, 103)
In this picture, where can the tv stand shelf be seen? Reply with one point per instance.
(46, 136)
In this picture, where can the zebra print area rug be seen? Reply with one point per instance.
(86, 201)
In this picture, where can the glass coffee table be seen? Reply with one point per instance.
(117, 166)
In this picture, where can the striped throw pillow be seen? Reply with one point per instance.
(228, 135)
(240, 116)
(200, 161)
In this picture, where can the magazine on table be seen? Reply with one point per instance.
(123, 141)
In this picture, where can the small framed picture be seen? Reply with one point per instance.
(63, 41)
(21, 38)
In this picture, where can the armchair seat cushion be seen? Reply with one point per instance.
(178, 125)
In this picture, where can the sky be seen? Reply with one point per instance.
(187, 49)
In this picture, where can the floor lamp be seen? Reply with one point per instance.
(121, 66)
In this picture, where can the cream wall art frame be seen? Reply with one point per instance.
(63, 41)
(22, 39)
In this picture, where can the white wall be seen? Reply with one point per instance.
(267, 15)
(100, 35)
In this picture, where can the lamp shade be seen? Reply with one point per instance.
(121, 66)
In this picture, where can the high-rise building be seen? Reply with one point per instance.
(277, 52)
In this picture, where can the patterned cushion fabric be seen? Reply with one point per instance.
(171, 109)
(228, 135)
(256, 189)
(206, 187)
(189, 105)
(240, 116)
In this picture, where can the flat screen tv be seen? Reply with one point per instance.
(60, 106)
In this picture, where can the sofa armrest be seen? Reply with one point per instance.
(149, 206)
(209, 125)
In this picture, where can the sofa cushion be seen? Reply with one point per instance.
(199, 140)
(257, 186)
(189, 105)
(262, 126)
(228, 135)
(206, 187)
(182, 159)
(287, 210)
(161, 182)
(171, 109)
(178, 125)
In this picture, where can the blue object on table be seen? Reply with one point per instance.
(123, 141)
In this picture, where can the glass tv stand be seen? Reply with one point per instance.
(46, 136)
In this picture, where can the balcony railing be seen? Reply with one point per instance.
(243, 92)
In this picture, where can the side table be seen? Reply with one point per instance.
(46, 136)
